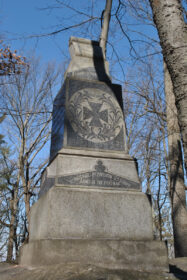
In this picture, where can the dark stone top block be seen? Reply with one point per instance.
(88, 114)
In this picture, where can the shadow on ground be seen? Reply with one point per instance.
(178, 272)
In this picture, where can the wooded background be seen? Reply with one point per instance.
(150, 66)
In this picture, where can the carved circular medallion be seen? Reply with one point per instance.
(95, 115)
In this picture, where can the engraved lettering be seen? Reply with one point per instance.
(99, 177)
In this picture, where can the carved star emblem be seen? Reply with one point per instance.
(95, 114)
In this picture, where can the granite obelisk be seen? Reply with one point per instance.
(91, 208)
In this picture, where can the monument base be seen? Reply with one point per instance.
(107, 253)
(104, 227)
(91, 213)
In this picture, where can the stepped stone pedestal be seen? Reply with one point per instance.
(91, 209)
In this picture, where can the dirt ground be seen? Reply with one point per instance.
(73, 271)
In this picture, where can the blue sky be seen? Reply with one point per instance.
(22, 18)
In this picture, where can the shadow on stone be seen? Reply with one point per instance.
(101, 72)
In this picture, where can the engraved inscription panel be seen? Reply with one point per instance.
(95, 115)
(99, 177)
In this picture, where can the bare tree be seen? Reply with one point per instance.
(146, 137)
(105, 25)
(169, 20)
(27, 100)
(174, 165)
(9, 196)
(176, 174)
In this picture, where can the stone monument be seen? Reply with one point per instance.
(91, 208)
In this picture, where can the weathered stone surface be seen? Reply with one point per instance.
(95, 153)
(113, 254)
(87, 60)
(86, 213)
(85, 48)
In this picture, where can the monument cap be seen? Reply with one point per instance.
(85, 48)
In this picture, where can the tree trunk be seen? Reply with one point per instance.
(177, 186)
(27, 210)
(158, 196)
(168, 18)
(105, 26)
(12, 227)
(10, 241)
